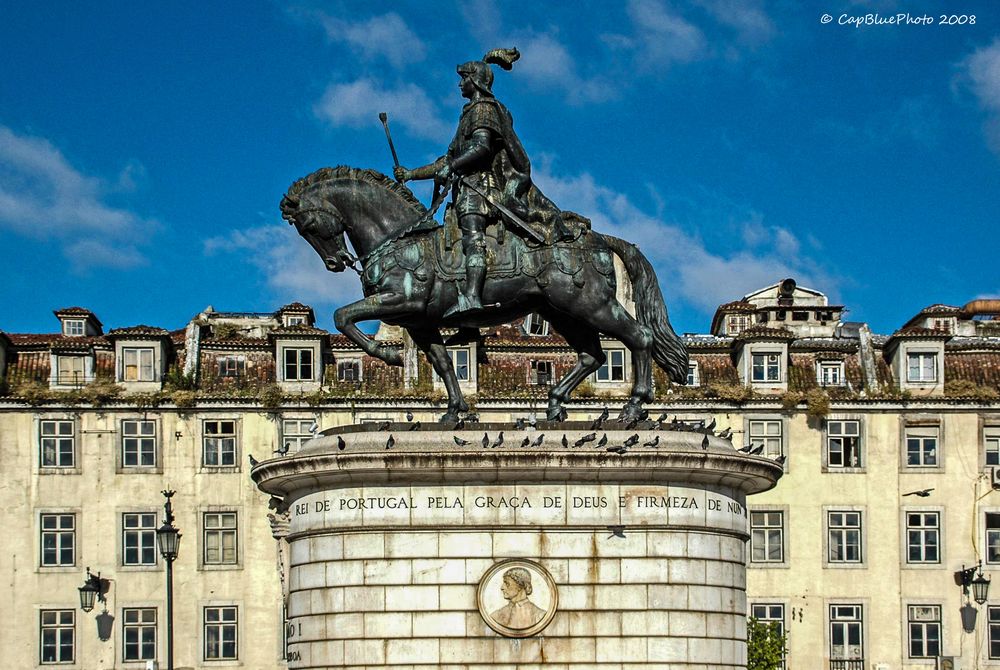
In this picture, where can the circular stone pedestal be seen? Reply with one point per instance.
(419, 552)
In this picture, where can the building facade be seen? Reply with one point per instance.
(889, 444)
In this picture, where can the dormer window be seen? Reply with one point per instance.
(830, 373)
(921, 366)
(73, 327)
(692, 376)
(536, 325)
(295, 320)
(737, 323)
(137, 364)
(765, 367)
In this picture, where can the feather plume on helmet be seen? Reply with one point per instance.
(480, 72)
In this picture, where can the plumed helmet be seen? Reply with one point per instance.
(480, 72)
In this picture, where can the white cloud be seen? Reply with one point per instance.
(547, 64)
(43, 196)
(664, 36)
(293, 270)
(981, 70)
(357, 104)
(747, 17)
(386, 36)
(688, 270)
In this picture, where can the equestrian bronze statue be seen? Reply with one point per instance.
(504, 251)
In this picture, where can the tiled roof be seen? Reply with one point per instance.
(692, 341)
(824, 343)
(140, 329)
(73, 311)
(737, 306)
(940, 309)
(917, 332)
(973, 344)
(294, 307)
(55, 340)
(763, 332)
(979, 367)
(340, 341)
(230, 343)
(298, 331)
(178, 336)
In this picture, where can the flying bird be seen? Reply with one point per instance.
(652, 443)
(565, 442)
(616, 531)
(253, 461)
(634, 439)
(498, 441)
(603, 441)
(704, 442)
(390, 443)
(538, 440)
(340, 443)
(923, 494)
(460, 442)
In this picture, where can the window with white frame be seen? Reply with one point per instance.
(295, 320)
(767, 534)
(71, 370)
(220, 633)
(993, 619)
(922, 447)
(765, 367)
(830, 373)
(921, 366)
(846, 635)
(295, 432)
(73, 327)
(138, 538)
(57, 636)
(219, 443)
(57, 444)
(991, 445)
(843, 444)
(137, 364)
(613, 369)
(536, 325)
(693, 378)
(138, 444)
(993, 537)
(298, 364)
(923, 537)
(58, 540)
(924, 624)
(767, 433)
(138, 634)
(770, 614)
(844, 537)
(737, 323)
(541, 373)
(460, 362)
(232, 366)
(349, 370)
(220, 538)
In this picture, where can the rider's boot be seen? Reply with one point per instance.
(470, 298)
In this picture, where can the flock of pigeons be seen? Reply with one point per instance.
(528, 442)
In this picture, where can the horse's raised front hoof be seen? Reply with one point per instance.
(632, 411)
(390, 355)
(556, 413)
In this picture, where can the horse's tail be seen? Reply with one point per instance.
(669, 351)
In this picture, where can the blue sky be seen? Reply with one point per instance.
(144, 147)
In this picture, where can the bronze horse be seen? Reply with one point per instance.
(570, 284)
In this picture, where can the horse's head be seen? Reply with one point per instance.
(321, 224)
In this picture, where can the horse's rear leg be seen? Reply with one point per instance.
(429, 341)
(378, 306)
(590, 356)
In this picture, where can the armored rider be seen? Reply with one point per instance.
(486, 163)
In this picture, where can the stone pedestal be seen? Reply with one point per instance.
(430, 554)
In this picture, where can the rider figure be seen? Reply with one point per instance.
(487, 154)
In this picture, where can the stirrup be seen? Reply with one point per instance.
(463, 306)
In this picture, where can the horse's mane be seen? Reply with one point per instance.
(357, 174)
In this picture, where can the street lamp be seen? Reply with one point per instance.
(93, 590)
(168, 538)
(980, 588)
